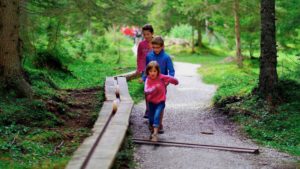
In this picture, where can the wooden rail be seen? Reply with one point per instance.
(99, 150)
(193, 145)
(129, 75)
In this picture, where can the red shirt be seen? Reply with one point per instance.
(155, 89)
(143, 49)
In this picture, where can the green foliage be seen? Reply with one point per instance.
(288, 22)
(67, 45)
(93, 71)
(33, 127)
(136, 90)
(279, 129)
(20, 111)
(288, 65)
(229, 88)
(163, 16)
(53, 59)
(181, 31)
(81, 69)
(75, 44)
(24, 147)
(125, 158)
(250, 27)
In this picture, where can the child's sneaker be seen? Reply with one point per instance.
(161, 129)
(146, 114)
(154, 137)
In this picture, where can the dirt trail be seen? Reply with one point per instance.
(187, 117)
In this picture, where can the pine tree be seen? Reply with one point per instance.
(268, 78)
(11, 75)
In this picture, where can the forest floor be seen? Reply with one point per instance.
(188, 115)
(79, 103)
(50, 147)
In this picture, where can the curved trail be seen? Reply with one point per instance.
(188, 114)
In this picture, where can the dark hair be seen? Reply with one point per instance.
(148, 27)
(158, 40)
(152, 64)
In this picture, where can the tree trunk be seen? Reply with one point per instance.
(200, 44)
(237, 34)
(193, 40)
(268, 78)
(28, 46)
(10, 53)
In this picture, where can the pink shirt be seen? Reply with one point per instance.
(155, 90)
(143, 49)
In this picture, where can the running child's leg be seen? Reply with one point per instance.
(152, 108)
(161, 127)
(146, 115)
(159, 107)
(147, 104)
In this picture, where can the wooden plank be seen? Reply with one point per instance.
(80, 154)
(123, 87)
(110, 88)
(100, 149)
(105, 152)
(109, 145)
(123, 113)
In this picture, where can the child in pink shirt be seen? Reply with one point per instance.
(144, 48)
(155, 90)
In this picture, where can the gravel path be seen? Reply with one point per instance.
(187, 115)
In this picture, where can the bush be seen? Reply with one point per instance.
(55, 59)
(181, 31)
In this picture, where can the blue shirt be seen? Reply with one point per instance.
(164, 61)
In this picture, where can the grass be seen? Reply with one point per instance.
(277, 128)
(38, 133)
(26, 147)
(125, 158)
(136, 90)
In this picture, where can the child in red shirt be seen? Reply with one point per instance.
(144, 48)
(155, 90)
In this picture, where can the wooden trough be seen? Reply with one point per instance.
(99, 150)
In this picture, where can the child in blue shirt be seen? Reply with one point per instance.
(159, 55)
